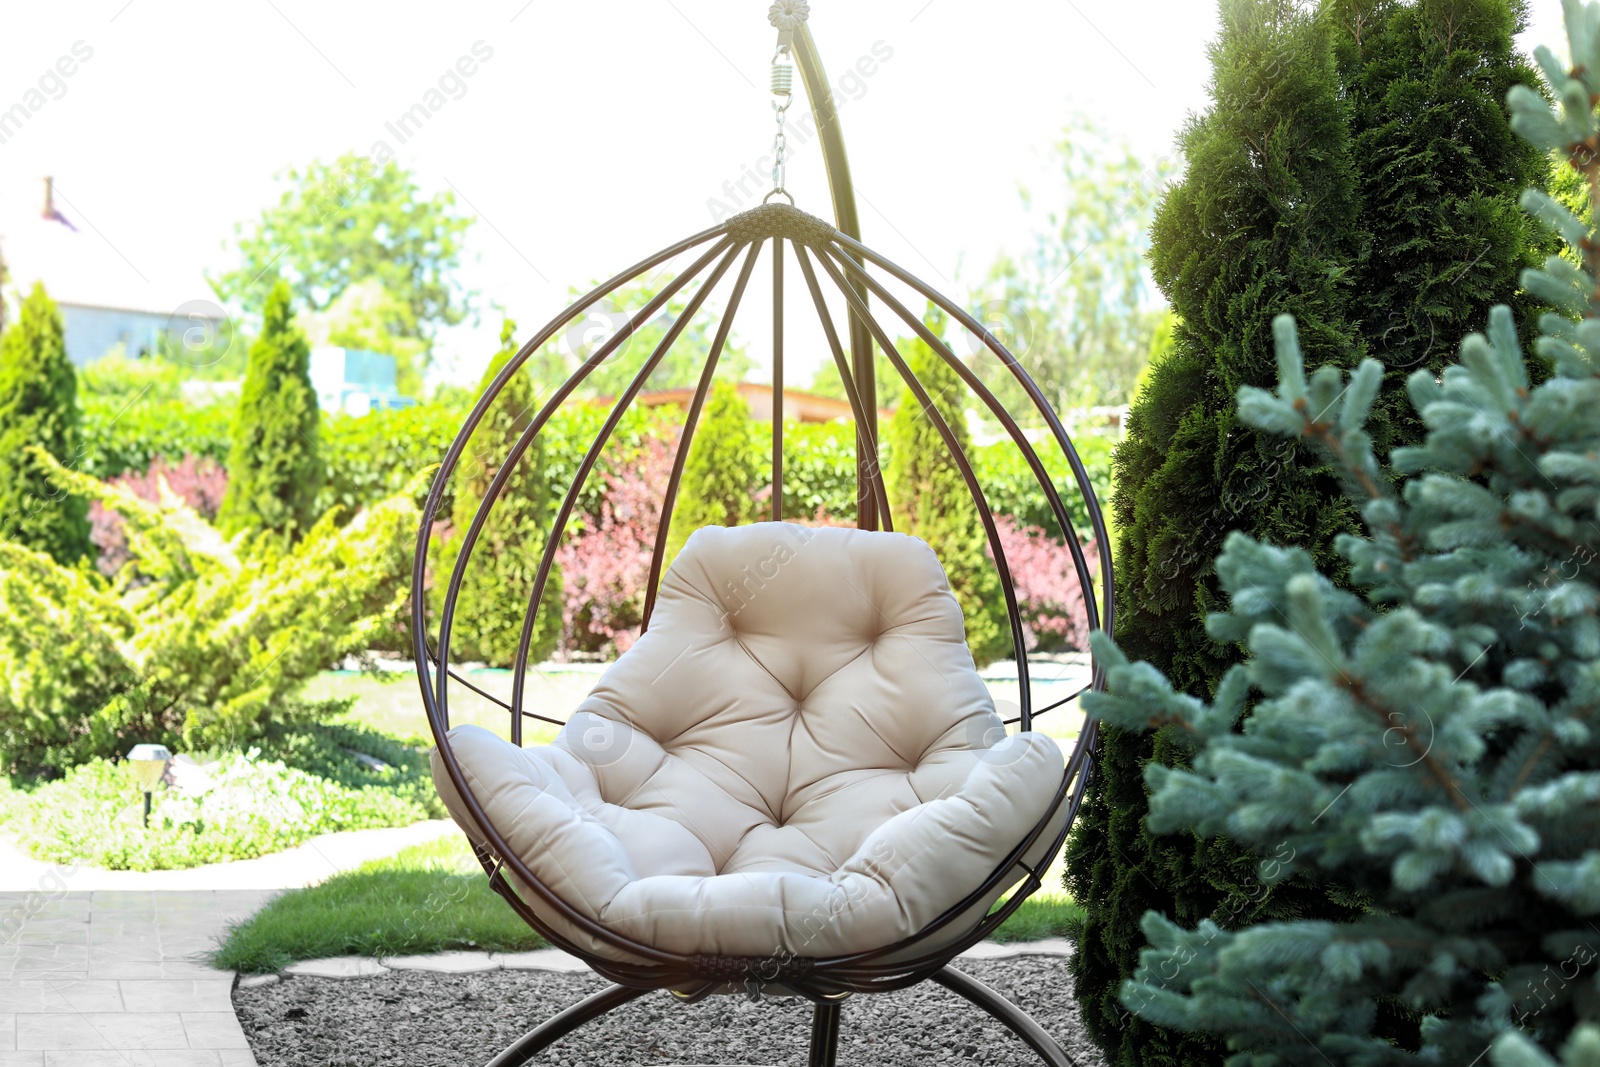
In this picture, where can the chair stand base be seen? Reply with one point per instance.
(824, 1035)
(555, 1028)
(825, 1021)
(1014, 1018)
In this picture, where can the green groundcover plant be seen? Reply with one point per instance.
(1430, 735)
(297, 780)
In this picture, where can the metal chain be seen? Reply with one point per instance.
(783, 96)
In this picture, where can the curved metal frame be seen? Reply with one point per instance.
(848, 265)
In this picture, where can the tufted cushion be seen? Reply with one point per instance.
(798, 757)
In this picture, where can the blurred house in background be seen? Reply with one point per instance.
(106, 301)
(354, 382)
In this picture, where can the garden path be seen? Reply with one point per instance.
(114, 979)
(104, 968)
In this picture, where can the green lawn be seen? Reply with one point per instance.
(392, 704)
(427, 898)
(434, 897)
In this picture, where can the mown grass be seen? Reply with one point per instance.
(426, 898)
(1040, 916)
(433, 897)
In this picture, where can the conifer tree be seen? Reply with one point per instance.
(39, 406)
(274, 469)
(1439, 170)
(1429, 736)
(1262, 223)
(928, 498)
(499, 578)
(1399, 241)
(723, 471)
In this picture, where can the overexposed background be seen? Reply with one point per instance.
(593, 134)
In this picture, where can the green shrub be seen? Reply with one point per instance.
(373, 456)
(274, 471)
(1013, 490)
(62, 657)
(295, 783)
(929, 498)
(499, 579)
(819, 469)
(118, 437)
(197, 638)
(39, 407)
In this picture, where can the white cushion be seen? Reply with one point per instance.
(797, 758)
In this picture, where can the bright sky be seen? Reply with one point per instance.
(589, 134)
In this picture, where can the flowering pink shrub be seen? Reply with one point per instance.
(1051, 601)
(605, 562)
(197, 480)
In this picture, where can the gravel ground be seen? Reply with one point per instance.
(418, 1019)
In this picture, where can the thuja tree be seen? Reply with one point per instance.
(1256, 227)
(929, 498)
(1430, 735)
(39, 406)
(274, 469)
(498, 582)
(1381, 212)
(1438, 170)
(723, 469)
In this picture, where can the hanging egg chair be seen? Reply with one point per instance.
(794, 782)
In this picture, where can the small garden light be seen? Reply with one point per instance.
(149, 763)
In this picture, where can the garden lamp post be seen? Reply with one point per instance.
(149, 764)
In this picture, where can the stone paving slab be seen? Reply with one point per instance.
(336, 967)
(118, 978)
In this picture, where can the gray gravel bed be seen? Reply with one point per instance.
(420, 1019)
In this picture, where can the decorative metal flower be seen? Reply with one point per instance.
(788, 15)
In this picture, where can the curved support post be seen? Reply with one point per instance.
(555, 1028)
(843, 191)
(1014, 1018)
(824, 1035)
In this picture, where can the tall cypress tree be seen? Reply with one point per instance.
(39, 406)
(723, 471)
(487, 624)
(928, 497)
(1356, 170)
(274, 470)
(1439, 170)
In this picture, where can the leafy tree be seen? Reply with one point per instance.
(928, 497)
(274, 470)
(39, 406)
(349, 221)
(826, 381)
(579, 340)
(1074, 308)
(499, 578)
(366, 316)
(724, 469)
(1326, 127)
